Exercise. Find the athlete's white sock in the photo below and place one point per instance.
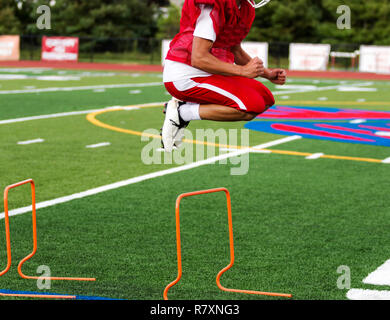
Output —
(189, 111)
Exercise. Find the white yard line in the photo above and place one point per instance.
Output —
(252, 150)
(276, 142)
(387, 160)
(73, 113)
(260, 148)
(80, 88)
(47, 116)
(30, 141)
(314, 156)
(357, 121)
(145, 177)
(261, 151)
(383, 133)
(98, 145)
(303, 90)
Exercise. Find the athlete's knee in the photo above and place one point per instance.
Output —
(250, 116)
(269, 99)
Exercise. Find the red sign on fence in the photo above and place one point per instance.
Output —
(60, 49)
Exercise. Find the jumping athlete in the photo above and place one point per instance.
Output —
(208, 74)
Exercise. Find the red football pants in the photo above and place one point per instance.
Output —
(242, 93)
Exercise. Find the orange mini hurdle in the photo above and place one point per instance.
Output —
(35, 245)
(231, 243)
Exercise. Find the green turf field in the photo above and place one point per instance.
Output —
(296, 221)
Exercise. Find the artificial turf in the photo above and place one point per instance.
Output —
(295, 221)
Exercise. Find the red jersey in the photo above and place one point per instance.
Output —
(231, 25)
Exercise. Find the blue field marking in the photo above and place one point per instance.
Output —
(321, 113)
(333, 124)
(52, 293)
(371, 133)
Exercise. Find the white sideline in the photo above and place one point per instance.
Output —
(381, 276)
(31, 141)
(98, 145)
(314, 156)
(148, 176)
(367, 294)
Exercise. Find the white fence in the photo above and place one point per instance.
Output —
(374, 59)
(306, 56)
(316, 57)
(254, 49)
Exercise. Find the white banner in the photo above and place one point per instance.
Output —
(9, 48)
(254, 49)
(164, 50)
(311, 57)
(257, 49)
(374, 59)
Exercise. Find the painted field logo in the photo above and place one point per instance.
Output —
(318, 113)
(359, 126)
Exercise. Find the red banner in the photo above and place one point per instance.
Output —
(60, 49)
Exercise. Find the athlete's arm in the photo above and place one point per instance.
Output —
(241, 57)
(277, 76)
(202, 58)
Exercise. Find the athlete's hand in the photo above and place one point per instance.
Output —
(253, 68)
(278, 76)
